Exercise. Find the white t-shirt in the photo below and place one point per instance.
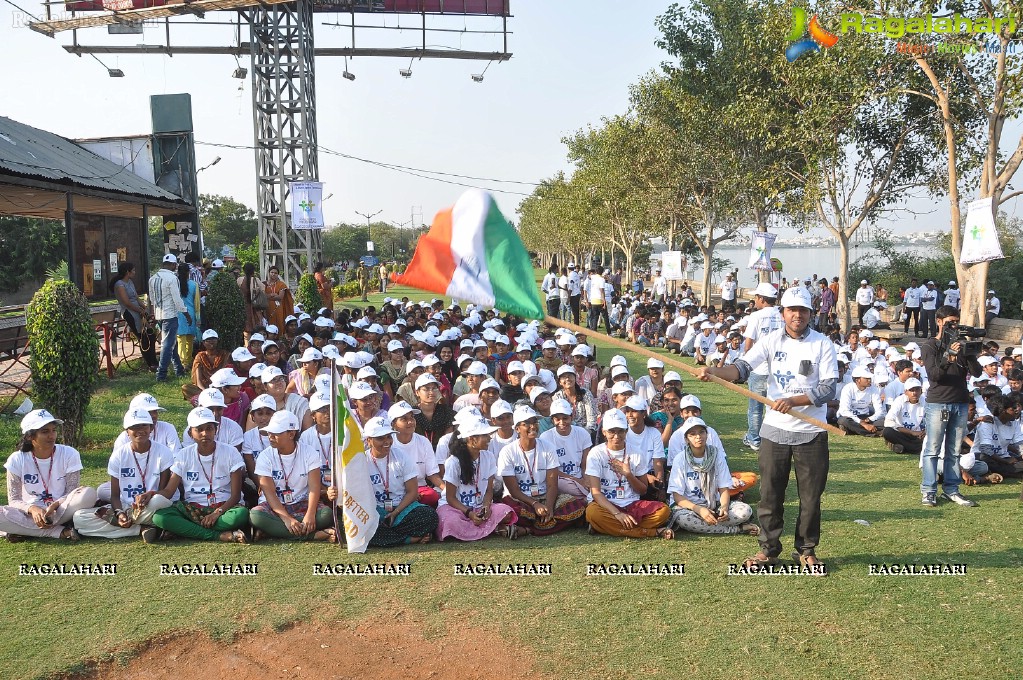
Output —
(648, 442)
(785, 357)
(497, 442)
(645, 388)
(864, 295)
(253, 443)
(569, 449)
(419, 450)
(200, 474)
(50, 475)
(912, 297)
(229, 433)
(563, 288)
(854, 402)
(728, 290)
(288, 472)
(996, 305)
(136, 474)
(660, 285)
(573, 283)
(443, 446)
(598, 465)
(527, 467)
(952, 297)
(595, 291)
(320, 443)
(684, 480)
(762, 322)
(164, 433)
(677, 440)
(928, 298)
(388, 476)
(550, 285)
(705, 343)
(998, 435)
(470, 495)
(904, 414)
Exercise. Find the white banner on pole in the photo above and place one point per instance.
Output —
(760, 251)
(980, 238)
(306, 208)
(673, 265)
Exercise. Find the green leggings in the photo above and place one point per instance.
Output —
(272, 525)
(177, 520)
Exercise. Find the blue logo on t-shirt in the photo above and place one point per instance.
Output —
(31, 479)
(191, 476)
(127, 472)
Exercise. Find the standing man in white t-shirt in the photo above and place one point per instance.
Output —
(802, 371)
(574, 291)
(864, 299)
(596, 302)
(952, 294)
(764, 320)
(563, 287)
(660, 286)
(928, 308)
(550, 288)
(911, 308)
(728, 288)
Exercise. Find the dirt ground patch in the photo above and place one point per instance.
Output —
(370, 650)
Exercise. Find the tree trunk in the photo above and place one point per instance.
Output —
(844, 309)
(708, 256)
(760, 215)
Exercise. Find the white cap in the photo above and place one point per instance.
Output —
(654, 363)
(986, 360)
(136, 416)
(210, 333)
(395, 346)
(265, 401)
(331, 352)
(516, 366)
(537, 392)
(256, 337)
(412, 365)
(562, 370)
(766, 290)
(618, 360)
(797, 297)
(561, 407)
(272, 329)
(377, 427)
(226, 377)
(318, 400)
(523, 413)
(690, 423)
(475, 427)
(718, 339)
(311, 354)
(636, 403)
(168, 258)
(862, 372)
(1017, 351)
(614, 419)
(426, 379)
(619, 370)
(952, 283)
(399, 409)
(366, 372)
(476, 368)
(431, 360)
(672, 376)
(581, 351)
(271, 373)
(863, 281)
(706, 325)
(874, 344)
(866, 333)
(241, 354)
(200, 416)
(282, 421)
(622, 388)
(690, 401)
(256, 370)
(490, 384)
(212, 397)
(549, 344)
(500, 408)
(361, 390)
(502, 339)
(523, 347)
(217, 263)
(911, 383)
(146, 402)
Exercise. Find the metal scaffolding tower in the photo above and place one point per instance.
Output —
(284, 125)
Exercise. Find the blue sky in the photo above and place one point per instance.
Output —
(573, 62)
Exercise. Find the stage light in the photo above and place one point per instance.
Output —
(348, 75)
(240, 73)
(115, 73)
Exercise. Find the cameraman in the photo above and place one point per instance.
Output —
(947, 404)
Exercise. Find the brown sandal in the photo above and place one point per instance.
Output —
(750, 529)
(759, 561)
(809, 561)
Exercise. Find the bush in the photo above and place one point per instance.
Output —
(64, 357)
(225, 311)
(351, 288)
(308, 295)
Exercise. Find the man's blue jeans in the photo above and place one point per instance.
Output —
(168, 349)
(947, 434)
(755, 414)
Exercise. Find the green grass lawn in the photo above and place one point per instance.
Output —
(705, 622)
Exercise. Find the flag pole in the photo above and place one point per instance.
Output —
(334, 469)
(668, 359)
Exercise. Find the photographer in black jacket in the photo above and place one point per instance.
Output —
(948, 397)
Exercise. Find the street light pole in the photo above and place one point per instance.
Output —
(401, 231)
(369, 227)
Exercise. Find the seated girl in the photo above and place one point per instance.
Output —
(467, 510)
(571, 443)
(319, 438)
(417, 447)
(43, 490)
(700, 488)
(616, 479)
(289, 487)
(211, 474)
(138, 470)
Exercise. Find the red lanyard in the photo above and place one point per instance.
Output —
(213, 459)
(287, 475)
(536, 454)
(144, 471)
(323, 452)
(611, 457)
(49, 472)
(384, 474)
(476, 474)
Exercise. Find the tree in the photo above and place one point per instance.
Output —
(344, 243)
(226, 222)
(225, 310)
(28, 248)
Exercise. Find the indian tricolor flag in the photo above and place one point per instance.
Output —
(355, 497)
(472, 253)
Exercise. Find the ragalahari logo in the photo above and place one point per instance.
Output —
(801, 44)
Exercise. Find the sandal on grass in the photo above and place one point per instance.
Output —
(809, 561)
(750, 529)
(665, 533)
(993, 478)
(257, 536)
(70, 534)
(759, 560)
(237, 536)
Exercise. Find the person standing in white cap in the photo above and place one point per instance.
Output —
(928, 307)
(952, 295)
(802, 371)
(660, 286)
(43, 483)
(165, 298)
(728, 289)
(574, 291)
(864, 299)
(992, 308)
(911, 306)
(766, 319)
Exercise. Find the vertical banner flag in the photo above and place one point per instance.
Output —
(472, 253)
(672, 265)
(760, 251)
(355, 497)
(306, 208)
(980, 238)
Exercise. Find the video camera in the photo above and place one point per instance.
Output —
(954, 332)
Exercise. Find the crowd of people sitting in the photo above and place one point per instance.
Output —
(474, 424)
